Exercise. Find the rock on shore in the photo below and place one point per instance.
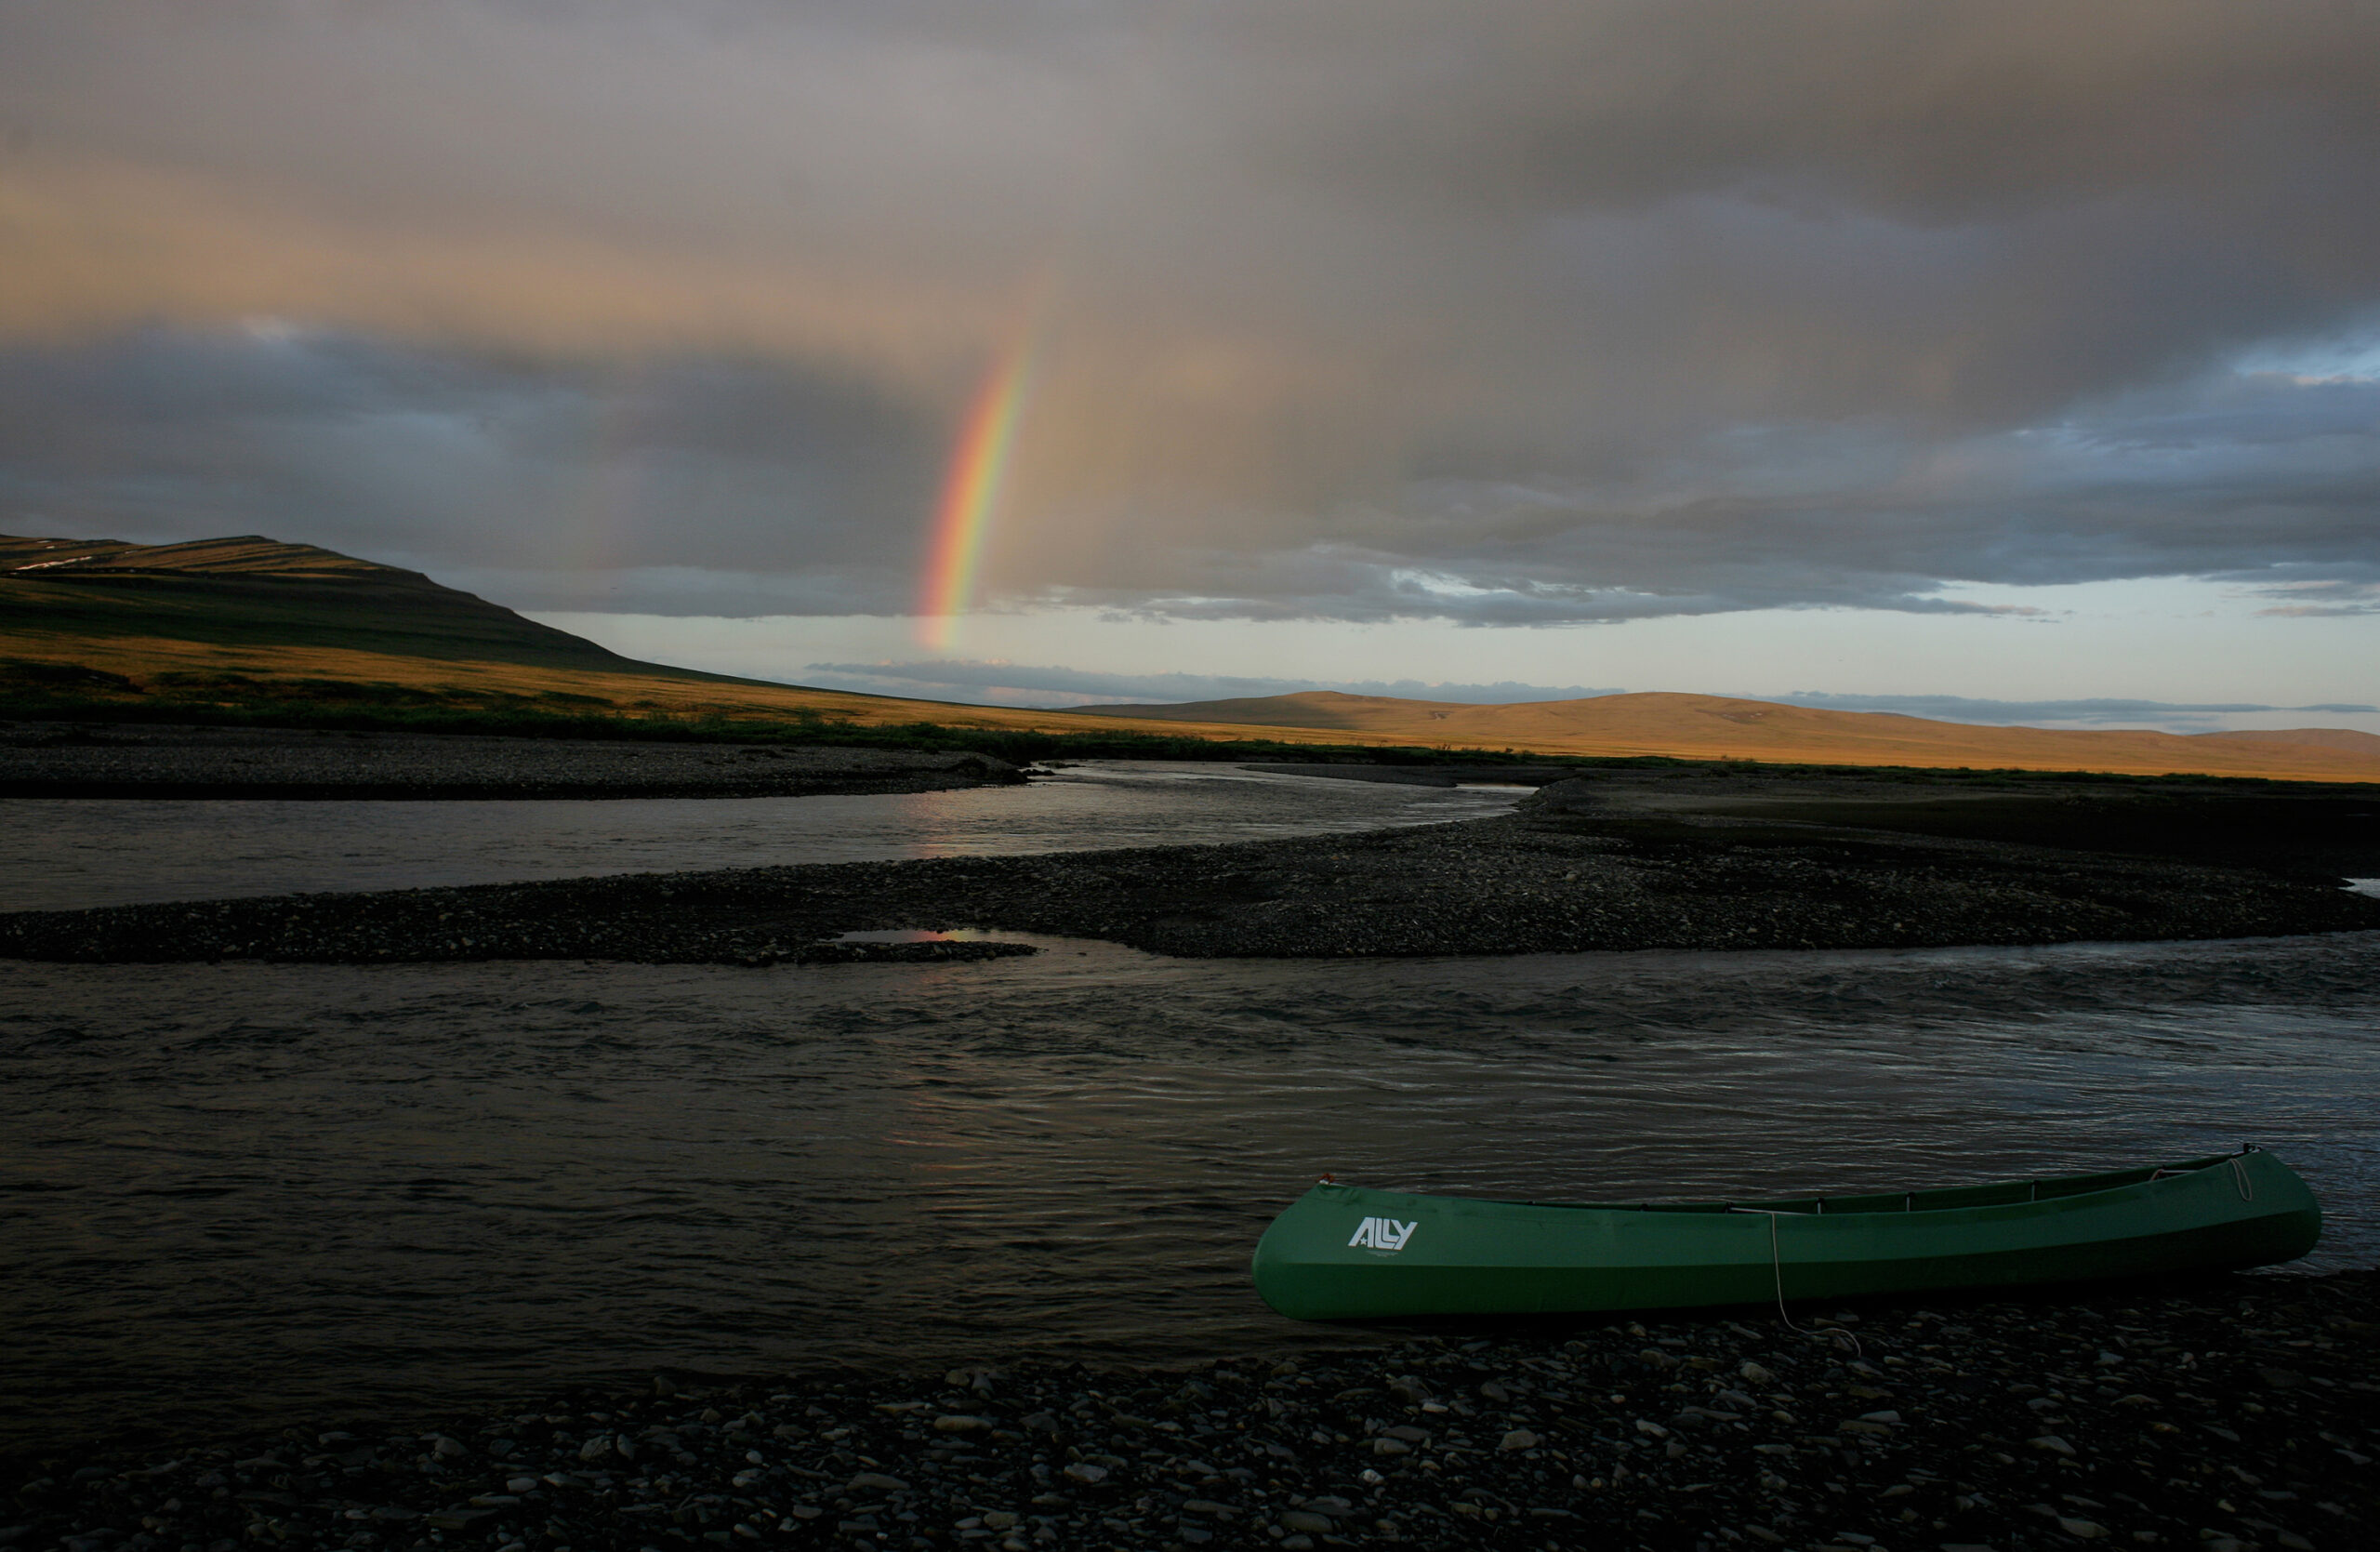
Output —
(1520, 884)
(2233, 1414)
(64, 760)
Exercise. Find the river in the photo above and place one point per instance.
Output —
(240, 1194)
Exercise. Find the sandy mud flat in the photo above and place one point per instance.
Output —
(1541, 881)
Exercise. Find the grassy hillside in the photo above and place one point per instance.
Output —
(249, 629)
(254, 592)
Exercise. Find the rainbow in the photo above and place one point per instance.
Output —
(971, 497)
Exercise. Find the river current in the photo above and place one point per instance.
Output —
(64, 856)
(242, 1194)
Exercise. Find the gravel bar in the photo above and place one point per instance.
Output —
(1529, 883)
(2231, 1414)
(67, 760)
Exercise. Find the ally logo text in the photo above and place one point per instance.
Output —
(1382, 1234)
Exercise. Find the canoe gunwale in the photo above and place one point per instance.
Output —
(2064, 1189)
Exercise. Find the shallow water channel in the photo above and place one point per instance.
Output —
(64, 854)
(244, 1194)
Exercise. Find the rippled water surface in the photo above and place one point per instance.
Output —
(63, 855)
(242, 1193)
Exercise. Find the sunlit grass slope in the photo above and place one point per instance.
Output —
(1718, 727)
(250, 628)
(239, 624)
(253, 592)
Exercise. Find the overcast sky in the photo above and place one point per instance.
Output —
(2003, 350)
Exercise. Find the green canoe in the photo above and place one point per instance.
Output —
(1342, 1253)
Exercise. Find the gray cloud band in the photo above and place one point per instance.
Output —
(1512, 313)
(694, 486)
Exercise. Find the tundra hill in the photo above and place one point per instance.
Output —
(250, 592)
(230, 624)
(227, 626)
(1718, 727)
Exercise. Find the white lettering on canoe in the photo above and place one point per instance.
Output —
(1382, 1234)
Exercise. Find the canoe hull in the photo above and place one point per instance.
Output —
(1342, 1253)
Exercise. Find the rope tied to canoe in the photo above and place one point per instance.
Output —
(1777, 1272)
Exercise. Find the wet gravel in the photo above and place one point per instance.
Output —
(65, 760)
(1534, 881)
(2231, 1414)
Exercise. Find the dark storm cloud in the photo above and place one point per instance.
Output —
(1514, 312)
(2256, 480)
(560, 477)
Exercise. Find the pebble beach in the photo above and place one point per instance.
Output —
(2232, 1414)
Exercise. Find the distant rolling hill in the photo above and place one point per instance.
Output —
(1719, 727)
(233, 623)
(252, 591)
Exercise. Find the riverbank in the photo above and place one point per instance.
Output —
(1538, 882)
(2232, 1413)
(126, 760)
